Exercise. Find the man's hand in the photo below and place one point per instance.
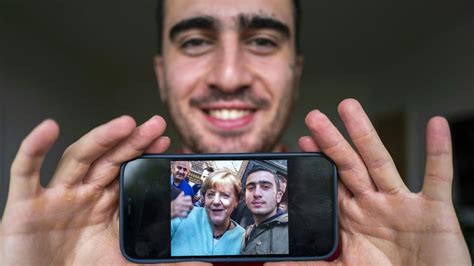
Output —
(181, 206)
(381, 221)
(75, 219)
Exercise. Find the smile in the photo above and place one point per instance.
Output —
(230, 117)
(229, 114)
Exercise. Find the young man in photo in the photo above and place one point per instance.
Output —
(269, 233)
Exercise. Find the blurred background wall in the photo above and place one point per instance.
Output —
(86, 62)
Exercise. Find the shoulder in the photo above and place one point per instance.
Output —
(283, 218)
(238, 227)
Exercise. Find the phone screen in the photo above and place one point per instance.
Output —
(228, 207)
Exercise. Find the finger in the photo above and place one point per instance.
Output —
(25, 169)
(186, 202)
(79, 156)
(106, 168)
(342, 191)
(185, 207)
(159, 146)
(351, 169)
(114, 187)
(307, 144)
(439, 162)
(376, 157)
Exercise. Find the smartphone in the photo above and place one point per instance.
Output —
(228, 207)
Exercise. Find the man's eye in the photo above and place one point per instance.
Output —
(193, 43)
(262, 45)
(263, 42)
(196, 46)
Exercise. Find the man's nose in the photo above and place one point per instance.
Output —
(257, 193)
(230, 71)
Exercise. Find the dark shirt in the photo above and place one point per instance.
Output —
(278, 213)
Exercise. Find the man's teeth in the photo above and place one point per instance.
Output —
(228, 114)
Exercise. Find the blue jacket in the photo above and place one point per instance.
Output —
(192, 236)
(184, 186)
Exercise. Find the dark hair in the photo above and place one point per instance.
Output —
(259, 168)
(159, 16)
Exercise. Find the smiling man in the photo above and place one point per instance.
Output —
(269, 233)
(179, 172)
(229, 72)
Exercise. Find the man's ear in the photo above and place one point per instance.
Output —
(160, 77)
(279, 196)
(299, 64)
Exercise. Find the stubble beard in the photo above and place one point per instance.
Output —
(261, 216)
(230, 142)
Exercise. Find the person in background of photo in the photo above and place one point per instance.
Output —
(210, 230)
(283, 205)
(179, 172)
(181, 191)
(269, 233)
(198, 199)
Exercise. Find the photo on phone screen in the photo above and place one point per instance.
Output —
(238, 207)
(252, 207)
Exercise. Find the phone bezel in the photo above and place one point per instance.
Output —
(228, 156)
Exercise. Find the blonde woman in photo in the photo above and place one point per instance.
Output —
(209, 230)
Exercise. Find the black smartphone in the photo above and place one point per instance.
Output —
(228, 207)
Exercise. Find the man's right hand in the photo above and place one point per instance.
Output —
(181, 206)
(74, 220)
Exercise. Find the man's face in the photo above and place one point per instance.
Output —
(180, 170)
(261, 194)
(229, 72)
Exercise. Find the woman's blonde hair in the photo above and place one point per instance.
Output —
(222, 177)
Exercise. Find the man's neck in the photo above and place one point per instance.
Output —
(259, 219)
(177, 183)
